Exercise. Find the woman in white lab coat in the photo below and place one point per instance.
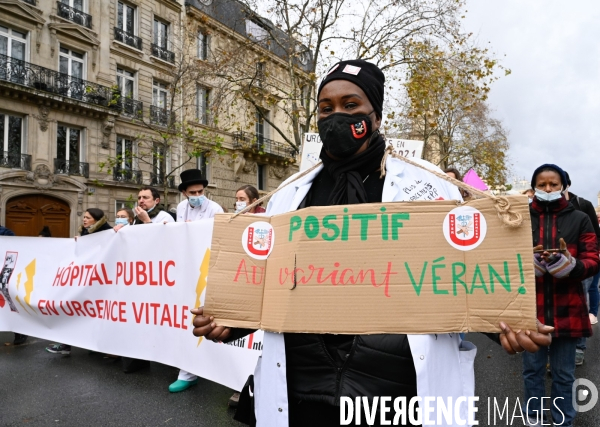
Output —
(301, 377)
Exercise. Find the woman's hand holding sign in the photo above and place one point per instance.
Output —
(204, 326)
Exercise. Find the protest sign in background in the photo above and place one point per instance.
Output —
(417, 267)
(311, 148)
(127, 293)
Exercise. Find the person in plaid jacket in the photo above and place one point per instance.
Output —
(565, 253)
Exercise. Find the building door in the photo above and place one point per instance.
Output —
(27, 215)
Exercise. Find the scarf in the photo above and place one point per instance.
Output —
(155, 211)
(350, 173)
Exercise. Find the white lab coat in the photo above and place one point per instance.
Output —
(443, 362)
(209, 209)
(162, 216)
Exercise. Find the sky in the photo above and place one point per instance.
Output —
(550, 104)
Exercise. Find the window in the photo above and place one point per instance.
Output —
(159, 162)
(126, 29)
(159, 94)
(12, 43)
(158, 109)
(261, 128)
(11, 140)
(161, 34)
(75, 4)
(204, 166)
(126, 18)
(255, 31)
(74, 10)
(120, 204)
(261, 179)
(202, 46)
(71, 66)
(260, 73)
(124, 153)
(68, 144)
(303, 96)
(125, 82)
(202, 105)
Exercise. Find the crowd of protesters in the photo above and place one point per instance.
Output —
(301, 377)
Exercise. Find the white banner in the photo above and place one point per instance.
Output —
(127, 293)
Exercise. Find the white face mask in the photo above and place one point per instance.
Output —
(542, 196)
(239, 206)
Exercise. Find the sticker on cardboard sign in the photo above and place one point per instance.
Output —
(351, 69)
(464, 228)
(258, 239)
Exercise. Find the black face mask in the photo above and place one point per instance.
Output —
(343, 134)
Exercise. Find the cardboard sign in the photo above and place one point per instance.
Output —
(311, 149)
(407, 147)
(417, 267)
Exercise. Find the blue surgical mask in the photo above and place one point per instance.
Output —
(239, 206)
(542, 196)
(121, 221)
(196, 201)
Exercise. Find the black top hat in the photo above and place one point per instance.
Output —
(191, 176)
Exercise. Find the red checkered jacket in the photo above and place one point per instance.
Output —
(561, 302)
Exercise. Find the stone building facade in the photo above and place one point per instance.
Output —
(76, 76)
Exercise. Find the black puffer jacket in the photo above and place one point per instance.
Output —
(376, 365)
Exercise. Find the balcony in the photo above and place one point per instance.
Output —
(46, 80)
(159, 116)
(71, 167)
(127, 176)
(158, 180)
(128, 39)
(163, 53)
(131, 108)
(74, 15)
(258, 144)
(15, 161)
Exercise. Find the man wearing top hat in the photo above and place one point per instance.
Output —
(196, 206)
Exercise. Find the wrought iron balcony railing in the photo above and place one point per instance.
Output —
(128, 39)
(15, 161)
(160, 116)
(127, 175)
(261, 145)
(162, 53)
(159, 180)
(31, 2)
(44, 79)
(74, 15)
(131, 107)
(71, 167)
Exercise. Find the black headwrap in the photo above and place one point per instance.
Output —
(349, 174)
(365, 75)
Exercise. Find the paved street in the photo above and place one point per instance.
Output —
(41, 389)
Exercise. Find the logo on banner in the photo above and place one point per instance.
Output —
(258, 239)
(464, 228)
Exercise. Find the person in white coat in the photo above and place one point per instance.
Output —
(300, 378)
(149, 210)
(195, 207)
